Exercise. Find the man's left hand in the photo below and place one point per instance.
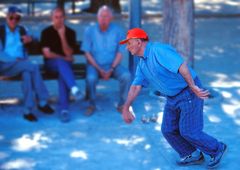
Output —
(108, 74)
(26, 39)
(201, 93)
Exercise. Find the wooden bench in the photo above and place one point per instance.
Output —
(79, 69)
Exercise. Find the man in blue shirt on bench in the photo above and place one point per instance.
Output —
(14, 61)
(104, 56)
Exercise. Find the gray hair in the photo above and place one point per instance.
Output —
(105, 8)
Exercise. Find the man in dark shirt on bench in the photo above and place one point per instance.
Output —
(58, 42)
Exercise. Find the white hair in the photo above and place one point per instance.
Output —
(105, 8)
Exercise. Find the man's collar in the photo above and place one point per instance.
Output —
(147, 50)
(8, 29)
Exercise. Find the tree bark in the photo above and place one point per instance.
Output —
(60, 3)
(178, 27)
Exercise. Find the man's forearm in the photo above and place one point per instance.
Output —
(68, 51)
(132, 94)
(184, 71)
(91, 60)
(117, 60)
(50, 55)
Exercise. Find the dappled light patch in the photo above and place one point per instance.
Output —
(237, 121)
(9, 101)
(226, 94)
(218, 49)
(238, 91)
(3, 155)
(230, 109)
(209, 7)
(79, 154)
(1, 137)
(147, 106)
(232, 3)
(102, 87)
(106, 140)
(79, 134)
(146, 161)
(134, 140)
(160, 117)
(214, 119)
(36, 141)
(157, 128)
(215, 5)
(74, 21)
(222, 82)
(147, 147)
(19, 164)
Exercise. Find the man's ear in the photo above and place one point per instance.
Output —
(139, 41)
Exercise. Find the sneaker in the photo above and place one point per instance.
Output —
(78, 96)
(215, 161)
(30, 117)
(46, 109)
(64, 116)
(90, 110)
(192, 159)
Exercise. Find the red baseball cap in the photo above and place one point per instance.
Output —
(135, 33)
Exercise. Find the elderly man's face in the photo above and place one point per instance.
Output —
(104, 19)
(13, 20)
(134, 46)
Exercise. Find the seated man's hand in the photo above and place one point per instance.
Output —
(26, 39)
(69, 58)
(108, 74)
(21, 59)
(102, 73)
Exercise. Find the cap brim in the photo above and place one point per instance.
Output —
(17, 13)
(123, 41)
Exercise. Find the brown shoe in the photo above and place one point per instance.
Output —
(90, 110)
(30, 117)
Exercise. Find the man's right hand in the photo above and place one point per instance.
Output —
(128, 117)
(61, 30)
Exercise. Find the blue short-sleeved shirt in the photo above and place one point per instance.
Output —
(103, 46)
(159, 69)
(13, 46)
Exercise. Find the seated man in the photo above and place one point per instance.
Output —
(104, 55)
(14, 61)
(58, 42)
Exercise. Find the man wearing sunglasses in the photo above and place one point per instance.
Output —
(14, 61)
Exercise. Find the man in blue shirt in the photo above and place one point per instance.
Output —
(161, 67)
(104, 55)
(14, 61)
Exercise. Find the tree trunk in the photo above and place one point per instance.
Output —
(60, 3)
(178, 27)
